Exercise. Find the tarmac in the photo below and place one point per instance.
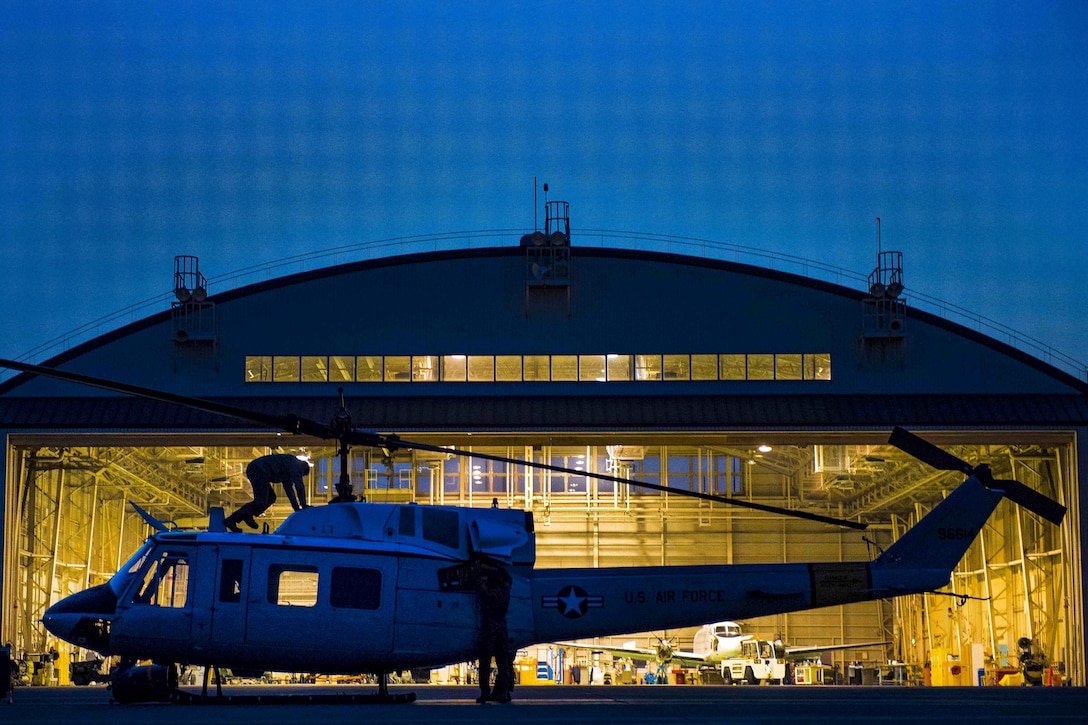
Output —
(572, 704)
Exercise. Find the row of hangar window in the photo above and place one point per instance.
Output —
(535, 368)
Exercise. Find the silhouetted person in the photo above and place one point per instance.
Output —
(262, 473)
(492, 583)
(7, 674)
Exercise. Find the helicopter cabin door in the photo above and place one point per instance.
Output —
(220, 614)
(298, 592)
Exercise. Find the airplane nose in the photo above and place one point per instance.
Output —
(83, 619)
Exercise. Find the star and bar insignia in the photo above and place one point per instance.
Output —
(572, 601)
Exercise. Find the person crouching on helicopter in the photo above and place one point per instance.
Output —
(492, 583)
(262, 473)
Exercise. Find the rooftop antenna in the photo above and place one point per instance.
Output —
(878, 238)
(535, 227)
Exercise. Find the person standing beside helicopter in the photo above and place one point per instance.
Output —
(7, 673)
(262, 473)
(492, 583)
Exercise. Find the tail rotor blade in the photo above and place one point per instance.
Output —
(926, 452)
(1032, 500)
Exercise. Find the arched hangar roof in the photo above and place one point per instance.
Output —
(487, 302)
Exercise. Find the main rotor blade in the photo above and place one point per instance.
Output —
(1031, 499)
(395, 442)
(926, 452)
(289, 423)
(294, 424)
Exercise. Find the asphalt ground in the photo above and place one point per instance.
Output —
(567, 704)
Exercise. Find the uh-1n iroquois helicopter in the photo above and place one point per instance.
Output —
(355, 587)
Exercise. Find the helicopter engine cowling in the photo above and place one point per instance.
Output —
(462, 533)
(499, 537)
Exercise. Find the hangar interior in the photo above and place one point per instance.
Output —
(70, 523)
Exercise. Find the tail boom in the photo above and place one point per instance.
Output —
(580, 603)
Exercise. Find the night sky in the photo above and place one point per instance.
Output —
(244, 133)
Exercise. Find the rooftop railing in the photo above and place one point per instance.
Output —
(602, 238)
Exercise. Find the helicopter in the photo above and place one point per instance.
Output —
(355, 586)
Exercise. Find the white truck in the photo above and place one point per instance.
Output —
(759, 661)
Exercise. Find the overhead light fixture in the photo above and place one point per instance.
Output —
(764, 448)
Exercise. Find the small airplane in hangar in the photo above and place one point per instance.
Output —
(355, 587)
(714, 643)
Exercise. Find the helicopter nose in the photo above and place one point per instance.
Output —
(83, 619)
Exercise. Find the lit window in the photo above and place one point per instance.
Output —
(292, 586)
(398, 368)
(787, 367)
(591, 368)
(454, 368)
(368, 368)
(508, 368)
(761, 367)
(564, 368)
(536, 367)
(259, 369)
(481, 368)
(704, 367)
(619, 367)
(285, 369)
(341, 368)
(165, 583)
(424, 368)
(731, 367)
(675, 367)
(818, 366)
(315, 369)
(647, 367)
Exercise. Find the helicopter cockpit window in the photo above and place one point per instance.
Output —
(356, 588)
(442, 527)
(292, 585)
(165, 583)
(119, 581)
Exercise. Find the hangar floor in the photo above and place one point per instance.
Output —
(574, 704)
(74, 527)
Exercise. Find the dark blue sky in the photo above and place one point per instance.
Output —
(131, 132)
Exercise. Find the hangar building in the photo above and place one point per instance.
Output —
(676, 369)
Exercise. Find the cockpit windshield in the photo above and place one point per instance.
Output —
(124, 575)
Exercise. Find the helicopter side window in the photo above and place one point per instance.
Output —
(442, 527)
(407, 521)
(165, 583)
(230, 581)
(356, 588)
(292, 585)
